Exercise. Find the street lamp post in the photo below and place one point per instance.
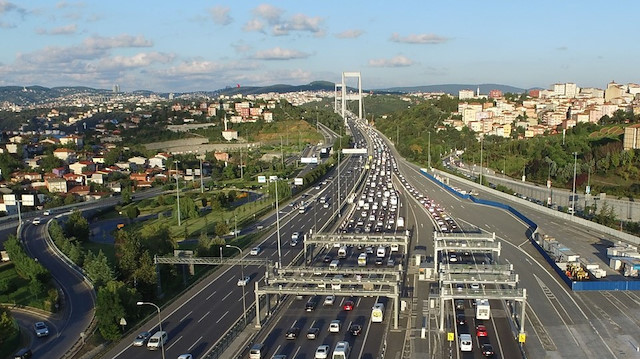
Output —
(429, 152)
(278, 227)
(481, 148)
(244, 304)
(159, 322)
(573, 193)
(178, 192)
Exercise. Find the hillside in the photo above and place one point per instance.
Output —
(454, 88)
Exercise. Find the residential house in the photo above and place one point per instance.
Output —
(76, 140)
(59, 172)
(82, 166)
(57, 185)
(138, 160)
(65, 154)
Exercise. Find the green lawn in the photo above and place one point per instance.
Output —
(21, 295)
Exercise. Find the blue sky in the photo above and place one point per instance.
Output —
(206, 45)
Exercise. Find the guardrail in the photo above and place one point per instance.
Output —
(531, 234)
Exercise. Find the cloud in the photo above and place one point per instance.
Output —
(124, 40)
(65, 4)
(273, 17)
(7, 25)
(241, 47)
(202, 67)
(220, 15)
(396, 61)
(6, 6)
(268, 12)
(142, 59)
(419, 39)
(254, 25)
(349, 34)
(278, 53)
(62, 30)
(562, 48)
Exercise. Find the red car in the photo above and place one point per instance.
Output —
(481, 331)
(348, 305)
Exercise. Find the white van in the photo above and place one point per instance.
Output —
(341, 351)
(377, 313)
(256, 351)
(334, 264)
(381, 252)
(157, 340)
(466, 345)
(342, 252)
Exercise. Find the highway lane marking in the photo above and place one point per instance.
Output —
(185, 317)
(230, 279)
(204, 316)
(174, 342)
(526, 241)
(194, 344)
(222, 316)
(211, 295)
(286, 253)
(366, 334)
(226, 296)
(296, 353)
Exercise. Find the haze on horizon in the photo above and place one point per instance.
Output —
(204, 45)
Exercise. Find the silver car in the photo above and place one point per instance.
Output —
(141, 339)
(41, 329)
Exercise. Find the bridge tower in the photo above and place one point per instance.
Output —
(346, 96)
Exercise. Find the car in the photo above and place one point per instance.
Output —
(325, 205)
(369, 250)
(141, 339)
(310, 306)
(41, 329)
(475, 286)
(185, 356)
(379, 260)
(329, 300)
(312, 333)
(487, 350)
(322, 352)
(46, 213)
(327, 259)
(460, 319)
(348, 305)
(334, 326)
(36, 221)
(255, 251)
(279, 356)
(391, 262)
(243, 281)
(459, 304)
(24, 353)
(355, 329)
(292, 333)
(481, 330)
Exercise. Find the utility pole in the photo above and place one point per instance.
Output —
(241, 169)
(178, 192)
(281, 152)
(278, 228)
(573, 197)
(429, 152)
(201, 180)
(481, 148)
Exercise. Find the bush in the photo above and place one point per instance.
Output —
(7, 285)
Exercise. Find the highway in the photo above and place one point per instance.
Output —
(197, 320)
(559, 322)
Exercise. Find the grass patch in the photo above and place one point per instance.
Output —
(13, 343)
(109, 250)
(20, 292)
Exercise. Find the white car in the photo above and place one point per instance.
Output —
(255, 251)
(334, 326)
(36, 221)
(329, 300)
(243, 281)
(322, 352)
(185, 356)
(46, 213)
(41, 329)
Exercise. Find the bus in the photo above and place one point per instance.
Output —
(483, 309)
(377, 313)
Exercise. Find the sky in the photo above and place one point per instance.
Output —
(181, 46)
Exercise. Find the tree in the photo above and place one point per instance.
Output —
(187, 208)
(221, 229)
(25, 266)
(109, 310)
(132, 212)
(7, 327)
(128, 248)
(126, 195)
(98, 268)
(77, 226)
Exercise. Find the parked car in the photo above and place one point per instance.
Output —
(41, 329)
(141, 339)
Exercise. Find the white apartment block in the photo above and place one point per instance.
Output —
(559, 89)
(465, 94)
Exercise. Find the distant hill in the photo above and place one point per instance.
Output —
(33, 95)
(279, 88)
(454, 88)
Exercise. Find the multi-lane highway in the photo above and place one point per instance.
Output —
(196, 321)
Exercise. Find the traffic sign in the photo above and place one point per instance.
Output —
(450, 336)
(522, 337)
